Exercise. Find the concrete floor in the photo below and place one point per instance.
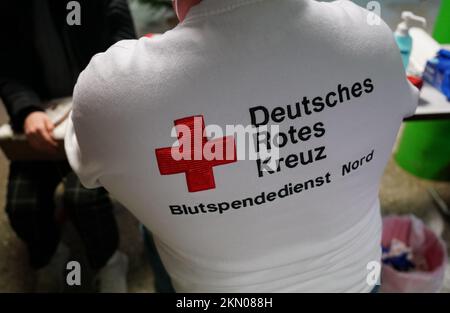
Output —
(400, 193)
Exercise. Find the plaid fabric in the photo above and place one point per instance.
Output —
(163, 283)
(31, 210)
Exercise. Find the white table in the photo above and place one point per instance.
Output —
(432, 105)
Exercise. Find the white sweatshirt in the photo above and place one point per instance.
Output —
(333, 82)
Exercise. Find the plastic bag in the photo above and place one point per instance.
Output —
(425, 244)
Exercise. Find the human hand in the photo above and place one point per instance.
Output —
(38, 128)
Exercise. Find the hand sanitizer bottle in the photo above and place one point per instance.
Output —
(404, 40)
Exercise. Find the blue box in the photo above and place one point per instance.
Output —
(437, 72)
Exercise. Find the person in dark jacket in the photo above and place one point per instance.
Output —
(41, 56)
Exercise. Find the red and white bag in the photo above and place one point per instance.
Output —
(425, 244)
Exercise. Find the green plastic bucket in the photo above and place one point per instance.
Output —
(442, 27)
(424, 148)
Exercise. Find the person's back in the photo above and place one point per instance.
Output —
(333, 84)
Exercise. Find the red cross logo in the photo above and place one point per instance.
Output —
(195, 163)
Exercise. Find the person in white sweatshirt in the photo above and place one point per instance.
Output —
(305, 220)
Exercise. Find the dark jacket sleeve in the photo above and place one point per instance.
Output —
(119, 21)
(16, 67)
(19, 99)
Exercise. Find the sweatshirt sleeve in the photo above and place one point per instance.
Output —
(80, 150)
(78, 161)
(16, 65)
(91, 143)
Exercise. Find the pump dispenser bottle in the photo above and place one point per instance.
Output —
(402, 36)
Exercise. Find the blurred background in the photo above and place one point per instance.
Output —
(401, 192)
